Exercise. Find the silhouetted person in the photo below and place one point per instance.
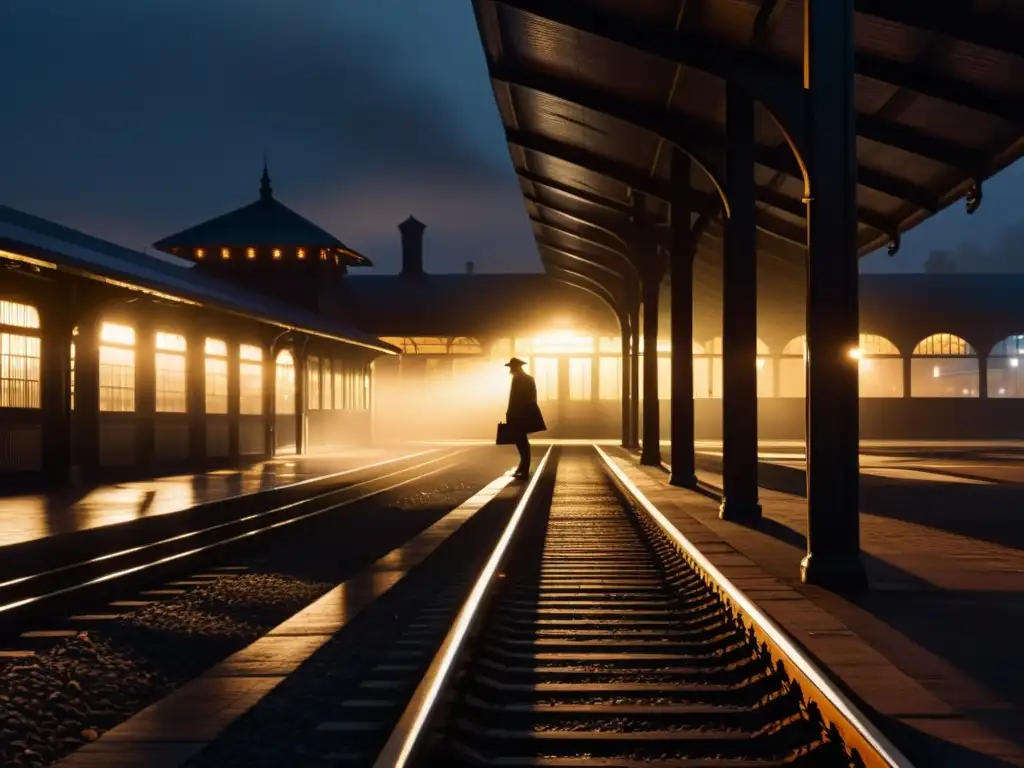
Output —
(523, 415)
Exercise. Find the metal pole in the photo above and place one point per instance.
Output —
(634, 376)
(684, 467)
(833, 525)
(624, 397)
(651, 446)
(739, 316)
(647, 260)
(55, 394)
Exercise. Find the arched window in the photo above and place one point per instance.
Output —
(1004, 368)
(284, 396)
(793, 368)
(765, 369)
(944, 365)
(19, 356)
(881, 367)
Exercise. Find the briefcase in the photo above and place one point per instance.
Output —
(505, 436)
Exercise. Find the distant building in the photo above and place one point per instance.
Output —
(934, 344)
(268, 247)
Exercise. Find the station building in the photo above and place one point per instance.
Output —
(115, 363)
(253, 340)
(939, 355)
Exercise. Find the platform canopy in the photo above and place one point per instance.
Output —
(593, 95)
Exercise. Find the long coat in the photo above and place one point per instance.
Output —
(523, 415)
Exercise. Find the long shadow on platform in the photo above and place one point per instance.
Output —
(976, 631)
(987, 512)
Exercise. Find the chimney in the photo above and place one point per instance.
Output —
(469, 267)
(412, 247)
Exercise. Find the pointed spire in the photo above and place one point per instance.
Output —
(266, 191)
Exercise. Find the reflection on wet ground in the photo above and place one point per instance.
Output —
(35, 516)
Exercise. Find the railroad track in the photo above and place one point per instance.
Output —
(97, 577)
(596, 636)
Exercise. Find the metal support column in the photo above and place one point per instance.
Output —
(833, 525)
(739, 316)
(86, 413)
(634, 376)
(301, 385)
(269, 401)
(234, 404)
(684, 468)
(55, 396)
(627, 428)
(650, 454)
(195, 394)
(145, 390)
(647, 258)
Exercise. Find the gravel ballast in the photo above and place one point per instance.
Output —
(75, 689)
(80, 687)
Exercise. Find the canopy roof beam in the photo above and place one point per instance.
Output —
(628, 277)
(702, 203)
(954, 20)
(724, 59)
(617, 303)
(573, 193)
(695, 136)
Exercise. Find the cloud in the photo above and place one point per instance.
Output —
(136, 119)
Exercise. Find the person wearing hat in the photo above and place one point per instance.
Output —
(523, 415)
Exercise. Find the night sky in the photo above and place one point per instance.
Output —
(133, 119)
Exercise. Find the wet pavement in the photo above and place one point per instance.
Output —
(35, 516)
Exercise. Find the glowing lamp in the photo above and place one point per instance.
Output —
(1014, 362)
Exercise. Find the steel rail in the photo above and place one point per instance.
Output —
(890, 756)
(234, 521)
(14, 605)
(407, 738)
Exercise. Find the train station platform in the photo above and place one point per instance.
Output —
(934, 644)
(32, 517)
